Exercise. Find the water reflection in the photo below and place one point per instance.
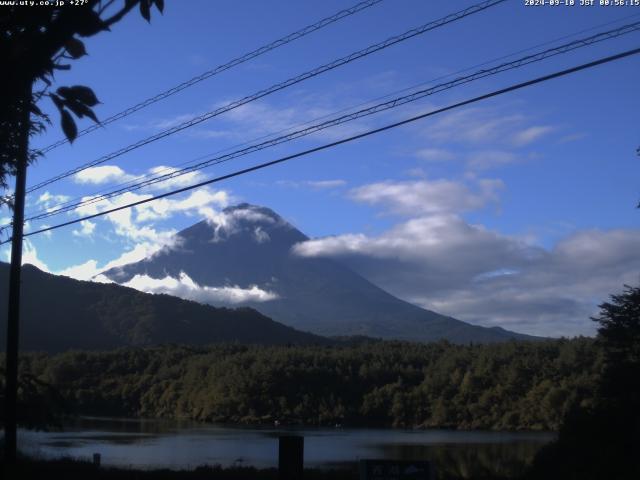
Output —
(178, 445)
(469, 460)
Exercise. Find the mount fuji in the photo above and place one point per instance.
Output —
(244, 258)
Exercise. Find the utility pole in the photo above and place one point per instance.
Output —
(13, 318)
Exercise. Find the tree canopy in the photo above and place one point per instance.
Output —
(35, 42)
(512, 385)
(601, 440)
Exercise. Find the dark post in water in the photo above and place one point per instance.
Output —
(290, 457)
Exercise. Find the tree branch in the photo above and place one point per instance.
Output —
(129, 5)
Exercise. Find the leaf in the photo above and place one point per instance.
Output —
(159, 5)
(61, 67)
(75, 48)
(81, 93)
(69, 126)
(145, 10)
(33, 108)
(81, 110)
(89, 23)
(59, 103)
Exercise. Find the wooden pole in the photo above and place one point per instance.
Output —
(13, 318)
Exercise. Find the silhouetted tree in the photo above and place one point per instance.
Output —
(35, 41)
(619, 335)
(602, 441)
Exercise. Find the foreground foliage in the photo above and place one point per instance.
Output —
(515, 385)
(70, 469)
(600, 440)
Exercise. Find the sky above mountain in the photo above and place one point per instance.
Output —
(516, 212)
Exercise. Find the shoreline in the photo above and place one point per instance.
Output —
(300, 425)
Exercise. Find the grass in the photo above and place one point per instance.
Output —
(72, 469)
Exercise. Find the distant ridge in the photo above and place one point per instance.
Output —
(59, 313)
(252, 246)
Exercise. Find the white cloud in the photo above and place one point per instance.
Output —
(112, 173)
(235, 220)
(195, 203)
(102, 174)
(163, 124)
(482, 137)
(139, 252)
(134, 227)
(313, 184)
(324, 184)
(50, 201)
(469, 272)
(130, 223)
(474, 126)
(123, 221)
(86, 229)
(531, 134)
(90, 270)
(84, 271)
(211, 133)
(437, 241)
(185, 287)
(257, 120)
(427, 196)
(484, 159)
(435, 155)
(260, 235)
(479, 127)
(263, 118)
(48, 233)
(439, 261)
(183, 180)
(574, 137)
(48, 197)
(416, 172)
(29, 255)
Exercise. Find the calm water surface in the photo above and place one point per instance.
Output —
(182, 445)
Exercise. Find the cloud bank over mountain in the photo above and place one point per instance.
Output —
(440, 261)
(185, 287)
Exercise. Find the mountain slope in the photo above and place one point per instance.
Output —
(59, 313)
(251, 246)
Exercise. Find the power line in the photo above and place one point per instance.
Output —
(394, 103)
(261, 166)
(132, 182)
(221, 68)
(280, 86)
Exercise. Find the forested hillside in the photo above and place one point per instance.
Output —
(60, 313)
(515, 385)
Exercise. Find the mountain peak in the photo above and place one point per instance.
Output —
(253, 214)
(249, 247)
(257, 209)
(244, 219)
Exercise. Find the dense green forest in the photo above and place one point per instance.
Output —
(514, 385)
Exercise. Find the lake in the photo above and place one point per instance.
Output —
(184, 445)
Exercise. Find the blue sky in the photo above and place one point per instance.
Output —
(518, 211)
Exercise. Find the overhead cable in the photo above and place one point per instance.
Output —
(261, 166)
